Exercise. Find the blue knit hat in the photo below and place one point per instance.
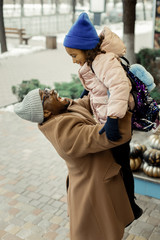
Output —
(82, 34)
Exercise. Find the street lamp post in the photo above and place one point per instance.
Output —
(74, 10)
(97, 7)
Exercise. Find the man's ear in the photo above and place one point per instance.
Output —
(47, 113)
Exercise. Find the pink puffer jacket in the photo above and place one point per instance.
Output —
(109, 88)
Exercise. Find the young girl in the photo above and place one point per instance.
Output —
(109, 88)
(101, 72)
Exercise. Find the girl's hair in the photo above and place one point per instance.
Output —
(92, 53)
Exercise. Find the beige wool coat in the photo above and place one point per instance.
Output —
(98, 205)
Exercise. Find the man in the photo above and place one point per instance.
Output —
(97, 200)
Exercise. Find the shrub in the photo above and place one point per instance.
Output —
(146, 56)
(150, 59)
(156, 94)
(71, 89)
(26, 86)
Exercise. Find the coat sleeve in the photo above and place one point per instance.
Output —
(85, 102)
(77, 138)
(109, 70)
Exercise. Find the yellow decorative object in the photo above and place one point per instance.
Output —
(155, 141)
(136, 152)
(135, 163)
(152, 157)
(151, 171)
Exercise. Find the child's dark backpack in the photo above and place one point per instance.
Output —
(146, 112)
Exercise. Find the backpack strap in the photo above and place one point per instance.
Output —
(130, 75)
(92, 69)
(125, 59)
(126, 66)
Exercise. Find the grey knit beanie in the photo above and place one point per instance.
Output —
(31, 108)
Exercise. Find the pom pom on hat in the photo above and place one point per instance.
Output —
(82, 34)
(31, 108)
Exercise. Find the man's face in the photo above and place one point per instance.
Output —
(52, 102)
(78, 56)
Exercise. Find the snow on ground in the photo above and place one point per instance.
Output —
(9, 108)
(21, 50)
(18, 50)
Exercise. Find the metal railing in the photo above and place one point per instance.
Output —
(37, 19)
(41, 25)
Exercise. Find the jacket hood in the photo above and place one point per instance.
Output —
(112, 43)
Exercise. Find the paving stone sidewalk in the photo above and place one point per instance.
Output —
(32, 184)
(32, 188)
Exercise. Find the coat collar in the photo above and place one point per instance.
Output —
(75, 109)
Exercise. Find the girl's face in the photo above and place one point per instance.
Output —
(78, 56)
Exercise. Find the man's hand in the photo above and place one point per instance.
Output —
(111, 129)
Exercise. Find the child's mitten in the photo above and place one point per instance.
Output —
(84, 93)
(111, 129)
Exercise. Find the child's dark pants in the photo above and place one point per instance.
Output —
(121, 155)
